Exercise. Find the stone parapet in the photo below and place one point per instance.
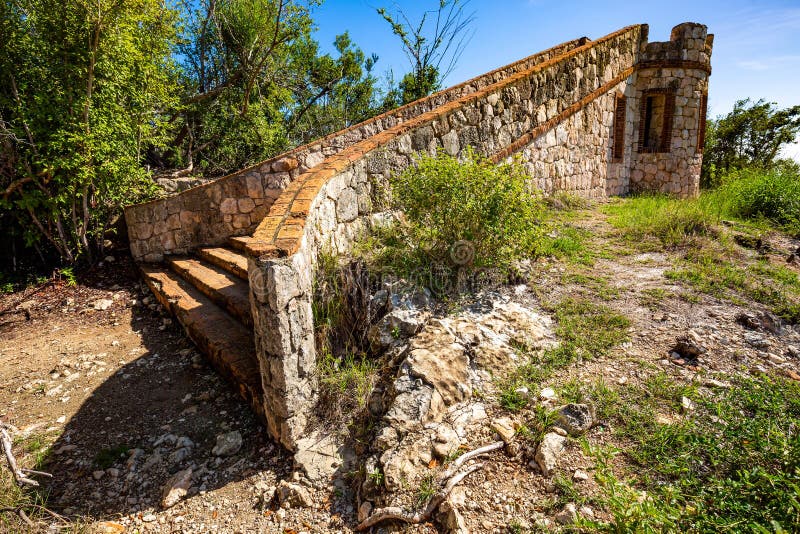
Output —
(235, 204)
(328, 207)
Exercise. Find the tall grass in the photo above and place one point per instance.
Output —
(757, 196)
(754, 194)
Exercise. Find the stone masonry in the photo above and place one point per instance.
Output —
(596, 118)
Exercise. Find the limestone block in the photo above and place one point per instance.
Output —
(312, 159)
(228, 206)
(347, 205)
(246, 205)
(254, 187)
(173, 221)
(450, 143)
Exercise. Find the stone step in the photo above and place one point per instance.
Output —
(224, 288)
(227, 344)
(225, 258)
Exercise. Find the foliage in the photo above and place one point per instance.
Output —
(731, 464)
(484, 211)
(83, 86)
(772, 194)
(751, 135)
(432, 55)
(256, 83)
(672, 221)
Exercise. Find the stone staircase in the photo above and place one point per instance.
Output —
(208, 294)
(572, 114)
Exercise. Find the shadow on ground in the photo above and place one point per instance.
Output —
(158, 414)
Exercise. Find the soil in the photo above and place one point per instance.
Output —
(113, 389)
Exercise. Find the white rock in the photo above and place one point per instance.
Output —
(102, 304)
(98, 474)
(549, 451)
(505, 427)
(290, 494)
(228, 444)
(580, 475)
(568, 515)
(547, 394)
(176, 488)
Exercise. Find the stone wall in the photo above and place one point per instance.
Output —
(327, 207)
(234, 205)
(575, 116)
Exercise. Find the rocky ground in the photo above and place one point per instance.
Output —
(106, 394)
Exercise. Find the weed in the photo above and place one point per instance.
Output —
(376, 477)
(729, 465)
(348, 380)
(652, 297)
(427, 489)
(105, 458)
(69, 275)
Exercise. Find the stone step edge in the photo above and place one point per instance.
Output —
(225, 258)
(231, 352)
(237, 304)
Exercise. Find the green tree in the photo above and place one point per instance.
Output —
(84, 86)
(432, 52)
(257, 83)
(330, 93)
(236, 58)
(751, 135)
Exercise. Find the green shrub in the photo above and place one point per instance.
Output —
(464, 214)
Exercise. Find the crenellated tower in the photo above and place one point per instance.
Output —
(666, 108)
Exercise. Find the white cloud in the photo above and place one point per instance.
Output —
(769, 62)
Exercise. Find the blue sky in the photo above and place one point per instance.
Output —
(756, 45)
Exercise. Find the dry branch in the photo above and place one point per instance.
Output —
(397, 514)
(19, 474)
(461, 460)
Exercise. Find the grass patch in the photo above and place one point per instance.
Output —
(762, 195)
(652, 297)
(774, 286)
(732, 464)
(596, 285)
(589, 327)
(652, 221)
(30, 452)
(349, 379)
(427, 489)
(586, 330)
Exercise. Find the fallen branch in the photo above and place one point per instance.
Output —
(467, 456)
(397, 514)
(19, 474)
(19, 512)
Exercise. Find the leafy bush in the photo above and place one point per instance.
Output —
(471, 214)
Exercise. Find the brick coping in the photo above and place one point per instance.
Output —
(280, 233)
